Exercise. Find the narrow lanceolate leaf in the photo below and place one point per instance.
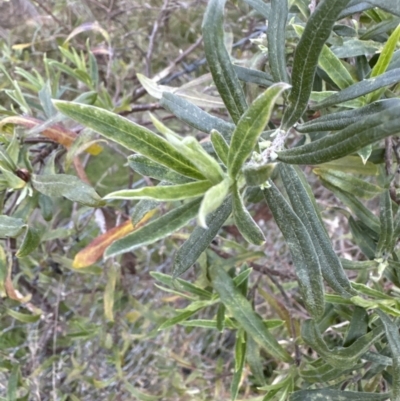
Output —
(358, 208)
(367, 131)
(144, 166)
(349, 183)
(391, 6)
(342, 119)
(242, 311)
(360, 89)
(304, 205)
(213, 198)
(130, 135)
(244, 222)
(384, 60)
(340, 356)
(69, 186)
(200, 238)
(250, 75)
(30, 242)
(276, 35)
(331, 64)
(336, 395)
(10, 226)
(308, 50)
(206, 164)
(386, 238)
(305, 258)
(157, 229)
(262, 8)
(240, 354)
(387, 53)
(393, 337)
(195, 116)
(220, 146)
(250, 127)
(218, 59)
(352, 164)
(163, 193)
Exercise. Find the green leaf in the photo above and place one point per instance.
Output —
(253, 358)
(351, 164)
(324, 373)
(349, 183)
(250, 126)
(331, 64)
(340, 356)
(384, 60)
(276, 35)
(367, 131)
(305, 207)
(240, 353)
(213, 198)
(219, 62)
(242, 311)
(141, 208)
(357, 265)
(144, 166)
(308, 50)
(12, 385)
(392, 335)
(206, 164)
(181, 285)
(163, 193)
(362, 239)
(387, 53)
(23, 317)
(244, 222)
(140, 395)
(155, 230)
(336, 395)
(194, 116)
(200, 238)
(180, 317)
(10, 226)
(386, 239)
(30, 242)
(250, 75)
(391, 6)
(342, 119)
(46, 207)
(360, 89)
(130, 135)
(354, 7)
(354, 47)
(258, 5)
(220, 146)
(305, 259)
(358, 326)
(360, 211)
(256, 175)
(69, 186)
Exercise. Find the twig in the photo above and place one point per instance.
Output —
(141, 107)
(163, 74)
(80, 170)
(47, 11)
(153, 34)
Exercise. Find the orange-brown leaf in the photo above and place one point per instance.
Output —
(56, 132)
(94, 251)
